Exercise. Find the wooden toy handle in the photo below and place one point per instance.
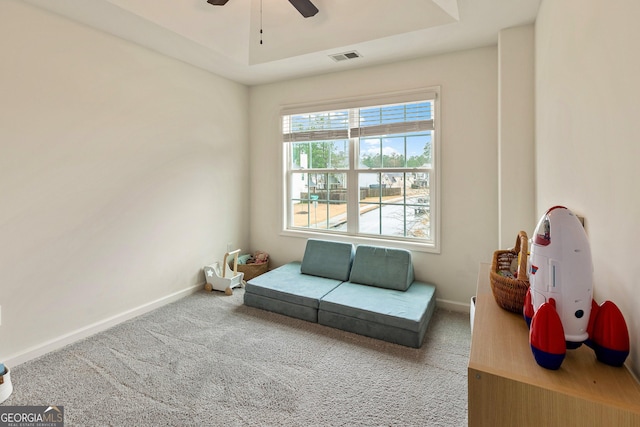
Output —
(235, 262)
(522, 248)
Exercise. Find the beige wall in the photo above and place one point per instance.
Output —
(469, 185)
(516, 133)
(587, 130)
(122, 173)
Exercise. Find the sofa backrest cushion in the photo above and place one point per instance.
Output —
(328, 259)
(382, 267)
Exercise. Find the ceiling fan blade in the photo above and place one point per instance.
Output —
(305, 7)
(217, 2)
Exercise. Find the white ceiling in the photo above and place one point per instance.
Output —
(226, 39)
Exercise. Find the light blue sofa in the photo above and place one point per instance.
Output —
(370, 291)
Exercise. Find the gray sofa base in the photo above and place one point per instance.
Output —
(372, 330)
(298, 311)
(383, 331)
(403, 323)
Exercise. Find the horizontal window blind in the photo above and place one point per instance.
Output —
(362, 102)
(369, 121)
(322, 126)
(394, 119)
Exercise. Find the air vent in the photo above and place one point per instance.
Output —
(339, 57)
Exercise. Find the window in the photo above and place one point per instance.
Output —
(367, 170)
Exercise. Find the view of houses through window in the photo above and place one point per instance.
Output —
(364, 171)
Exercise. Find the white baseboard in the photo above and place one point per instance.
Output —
(56, 343)
(453, 305)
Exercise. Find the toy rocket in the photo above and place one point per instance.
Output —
(559, 306)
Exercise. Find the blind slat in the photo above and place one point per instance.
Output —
(392, 128)
(316, 135)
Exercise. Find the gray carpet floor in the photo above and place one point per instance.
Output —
(208, 360)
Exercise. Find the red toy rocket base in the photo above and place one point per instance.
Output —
(559, 308)
(609, 336)
(546, 336)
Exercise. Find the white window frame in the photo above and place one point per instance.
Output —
(433, 246)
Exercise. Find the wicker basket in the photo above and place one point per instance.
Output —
(252, 270)
(510, 292)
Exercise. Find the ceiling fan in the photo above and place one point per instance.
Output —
(305, 7)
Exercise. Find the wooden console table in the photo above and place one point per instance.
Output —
(508, 388)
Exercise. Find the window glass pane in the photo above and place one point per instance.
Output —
(299, 200)
(319, 200)
(300, 155)
(320, 155)
(370, 152)
(339, 154)
(371, 194)
(393, 187)
(393, 152)
(419, 150)
(394, 204)
(418, 205)
(329, 154)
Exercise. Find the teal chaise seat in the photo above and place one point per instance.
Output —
(295, 289)
(381, 299)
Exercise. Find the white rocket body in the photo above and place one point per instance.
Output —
(560, 267)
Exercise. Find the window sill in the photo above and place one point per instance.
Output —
(363, 240)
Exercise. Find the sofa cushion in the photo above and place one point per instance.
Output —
(285, 283)
(408, 310)
(382, 267)
(328, 259)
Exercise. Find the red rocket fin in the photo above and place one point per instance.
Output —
(546, 336)
(527, 309)
(610, 335)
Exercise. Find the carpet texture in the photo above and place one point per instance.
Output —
(208, 360)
